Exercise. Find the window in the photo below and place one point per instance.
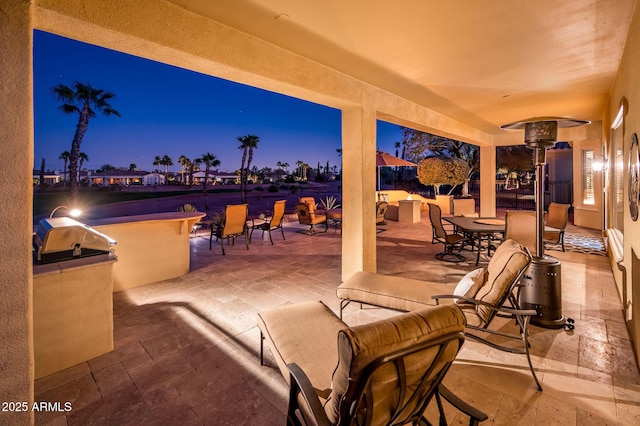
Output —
(588, 195)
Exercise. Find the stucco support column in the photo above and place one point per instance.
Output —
(487, 181)
(358, 190)
(16, 192)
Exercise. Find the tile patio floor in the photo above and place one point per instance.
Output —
(186, 349)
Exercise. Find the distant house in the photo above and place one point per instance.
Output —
(50, 177)
(82, 176)
(217, 177)
(126, 178)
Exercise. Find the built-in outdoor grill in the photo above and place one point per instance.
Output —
(62, 238)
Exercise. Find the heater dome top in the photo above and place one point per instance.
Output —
(561, 122)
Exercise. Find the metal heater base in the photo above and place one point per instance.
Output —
(542, 291)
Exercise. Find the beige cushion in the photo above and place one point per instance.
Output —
(304, 333)
(399, 293)
(469, 285)
(359, 346)
(506, 263)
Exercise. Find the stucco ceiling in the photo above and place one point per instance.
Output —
(484, 63)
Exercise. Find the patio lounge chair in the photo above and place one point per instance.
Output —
(482, 295)
(381, 211)
(307, 217)
(234, 224)
(385, 372)
(311, 201)
(557, 218)
(274, 222)
(451, 241)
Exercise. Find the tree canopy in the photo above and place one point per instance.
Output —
(441, 170)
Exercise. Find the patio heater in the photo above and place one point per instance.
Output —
(542, 283)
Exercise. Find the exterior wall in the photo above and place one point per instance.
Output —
(16, 130)
(626, 90)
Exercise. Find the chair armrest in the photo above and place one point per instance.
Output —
(300, 383)
(525, 312)
(474, 413)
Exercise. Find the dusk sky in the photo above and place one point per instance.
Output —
(171, 111)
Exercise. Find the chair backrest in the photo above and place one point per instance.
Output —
(520, 225)
(381, 210)
(464, 207)
(558, 215)
(505, 268)
(435, 216)
(235, 219)
(303, 210)
(278, 213)
(310, 201)
(389, 370)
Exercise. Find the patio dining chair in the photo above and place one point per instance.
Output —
(464, 207)
(557, 218)
(451, 240)
(274, 221)
(520, 225)
(234, 224)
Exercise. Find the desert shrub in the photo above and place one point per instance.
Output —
(187, 208)
(258, 188)
(273, 188)
(329, 202)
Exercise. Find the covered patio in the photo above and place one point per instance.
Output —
(471, 69)
(187, 349)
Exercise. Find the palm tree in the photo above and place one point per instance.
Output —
(65, 157)
(209, 161)
(82, 157)
(166, 162)
(132, 167)
(183, 161)
(247, 144)
(195, 167)
(157, 161)
(85, 101)
(299, 169)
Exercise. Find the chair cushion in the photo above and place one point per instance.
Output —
(509, 259)
(399, 293)
(359, 346)
(304, 333)
(469, 285)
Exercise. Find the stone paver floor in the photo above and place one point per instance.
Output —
(186, 349)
